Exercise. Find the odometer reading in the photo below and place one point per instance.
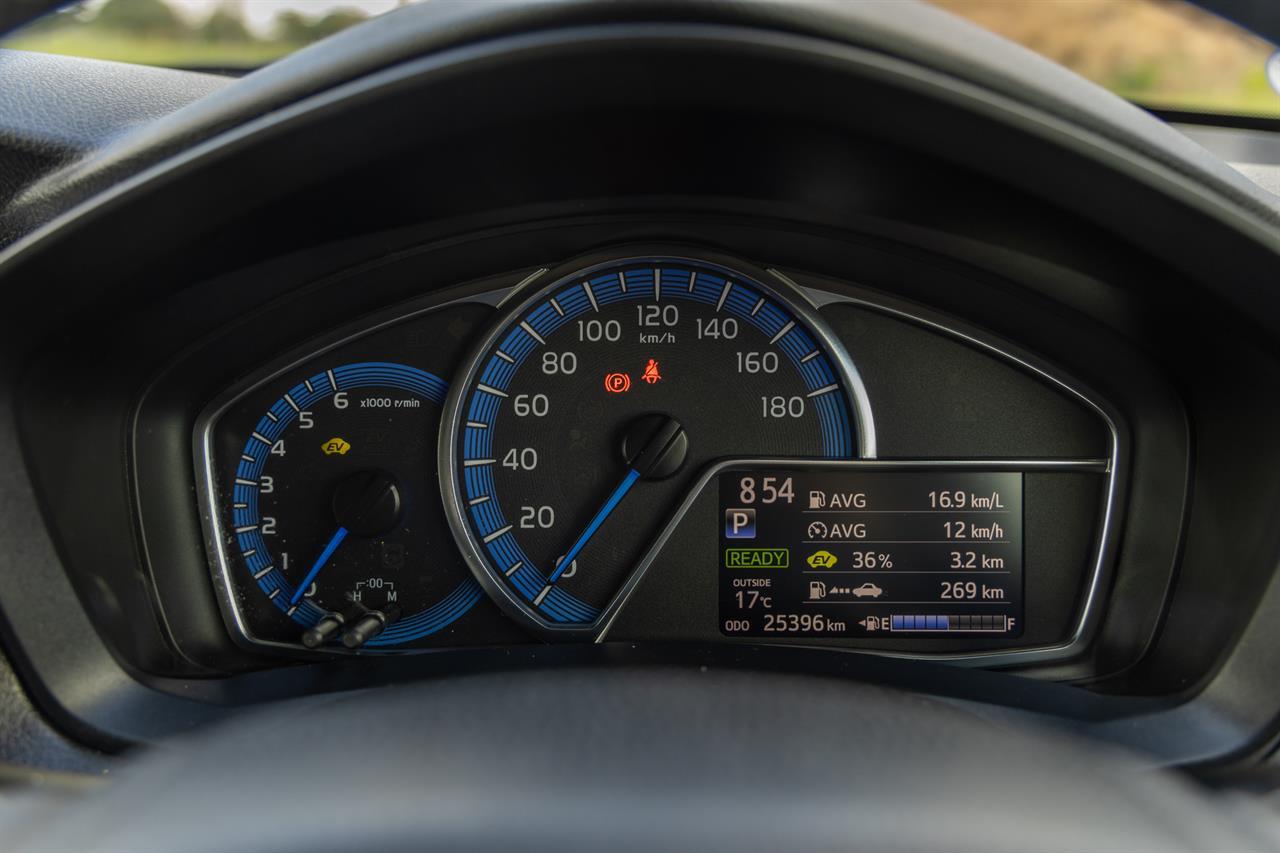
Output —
(870, 553)
(587, 414)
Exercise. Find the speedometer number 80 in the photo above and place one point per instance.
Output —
(559, 362)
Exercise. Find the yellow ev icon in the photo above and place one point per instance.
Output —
(821, 560)
(335, 445)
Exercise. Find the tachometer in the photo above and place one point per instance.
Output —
(585, 414)
(333, 515)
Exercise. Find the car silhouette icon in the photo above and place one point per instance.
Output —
(868, 589)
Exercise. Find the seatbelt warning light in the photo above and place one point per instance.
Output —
(651, 374)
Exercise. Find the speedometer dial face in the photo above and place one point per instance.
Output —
(586, 414)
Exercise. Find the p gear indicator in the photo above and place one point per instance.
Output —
(879, 553)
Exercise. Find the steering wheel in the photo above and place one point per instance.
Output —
(637, 759)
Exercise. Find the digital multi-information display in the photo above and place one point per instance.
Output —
(894, 554)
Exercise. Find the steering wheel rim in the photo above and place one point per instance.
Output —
(638, 758)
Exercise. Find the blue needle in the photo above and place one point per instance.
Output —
(609, 506)
(315, 570)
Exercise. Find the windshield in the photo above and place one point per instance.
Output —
(1162, 54)
(209, 35)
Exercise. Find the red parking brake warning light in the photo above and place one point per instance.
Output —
(617, 383)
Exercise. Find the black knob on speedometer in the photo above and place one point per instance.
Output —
(582, 419)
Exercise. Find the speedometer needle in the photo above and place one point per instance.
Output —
(665, 445)
(338, 536)
(609, 506)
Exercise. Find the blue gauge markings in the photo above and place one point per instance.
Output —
(646, 280)
(246, 517)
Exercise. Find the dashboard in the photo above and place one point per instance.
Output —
(333, 381)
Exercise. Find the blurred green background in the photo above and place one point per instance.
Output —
(227, 35)
(1160, 53)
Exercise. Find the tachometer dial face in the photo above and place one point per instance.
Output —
(335, 510)
(586, 414)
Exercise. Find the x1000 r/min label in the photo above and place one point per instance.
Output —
(907, 554)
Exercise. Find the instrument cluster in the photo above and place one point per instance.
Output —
(637, 445)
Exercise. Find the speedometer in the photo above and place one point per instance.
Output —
(585, 415)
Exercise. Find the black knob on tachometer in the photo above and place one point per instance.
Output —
(368, 503)
(369, 626)
(319, 634)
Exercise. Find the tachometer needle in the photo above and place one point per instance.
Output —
(338, 536)
(598, 519)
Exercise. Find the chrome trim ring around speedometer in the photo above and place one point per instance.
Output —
(594, 403)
